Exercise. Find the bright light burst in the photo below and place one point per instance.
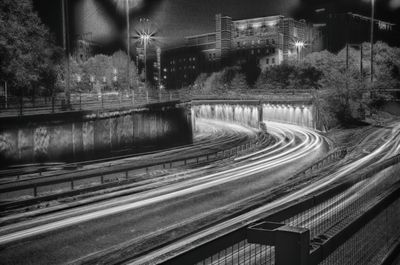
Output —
(145, 32)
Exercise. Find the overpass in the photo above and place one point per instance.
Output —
(301, 112)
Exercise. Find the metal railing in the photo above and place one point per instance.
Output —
(104, 177)
(83, 102)
(326, 215)
(16, 106)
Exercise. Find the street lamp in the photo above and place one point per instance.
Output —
(128, 39)
(79, 79)
(145, 37)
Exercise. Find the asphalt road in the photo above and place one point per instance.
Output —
(325, 219)
(70, 235)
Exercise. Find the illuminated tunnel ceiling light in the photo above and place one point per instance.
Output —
(257, 25)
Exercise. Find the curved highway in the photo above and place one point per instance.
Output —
(71, 234)
(322, 219)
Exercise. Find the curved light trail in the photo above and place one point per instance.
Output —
(293, 143)
(389, 148)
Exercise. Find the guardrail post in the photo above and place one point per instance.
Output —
(72, 184)
(126, 175)
(292, 246)
(35, 191)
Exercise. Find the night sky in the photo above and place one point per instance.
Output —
(105, 20)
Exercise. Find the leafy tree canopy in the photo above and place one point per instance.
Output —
(28, 53)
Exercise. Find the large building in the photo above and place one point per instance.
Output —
(85, 48)
(342, 28)
(266, 41)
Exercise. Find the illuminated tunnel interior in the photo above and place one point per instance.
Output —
(250, 114)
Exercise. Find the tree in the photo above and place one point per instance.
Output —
(200, 82)
(28, 53)
(252, 70)
(119, 61)
(239, 82)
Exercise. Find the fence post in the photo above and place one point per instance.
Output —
(292, 246)
(6, 94)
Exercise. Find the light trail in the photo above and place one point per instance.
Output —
(309, 141)
(389, 148)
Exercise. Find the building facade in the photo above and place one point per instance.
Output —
(340, 29)
(266, 41)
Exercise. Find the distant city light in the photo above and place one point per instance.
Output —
(257, 25)
(299, 44)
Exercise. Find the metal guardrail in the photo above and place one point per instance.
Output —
(223, 248)
(83, 102)
(334, 155)
(107, 176)
(114, 100)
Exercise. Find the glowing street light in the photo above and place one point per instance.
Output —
(145, 36)
(299, 46)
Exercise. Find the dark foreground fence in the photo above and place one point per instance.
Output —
(355, 222)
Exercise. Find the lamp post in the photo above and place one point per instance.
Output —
(128, 39)
(91, 79)
(145, 38)
(79, 79)
(372, 38)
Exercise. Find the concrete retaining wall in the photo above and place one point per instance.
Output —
(95, 135)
